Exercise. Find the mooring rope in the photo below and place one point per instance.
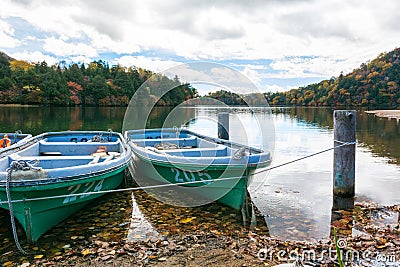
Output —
(176, 184)
(17, 165)
(309, 156)
(16, 135)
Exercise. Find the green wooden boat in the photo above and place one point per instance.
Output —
(205, 168)
(67, 163)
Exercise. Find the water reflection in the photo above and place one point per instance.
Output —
(140, 229)
(36, 120)
(379, 135)
(295, 200)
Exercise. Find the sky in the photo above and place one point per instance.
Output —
(277, 44)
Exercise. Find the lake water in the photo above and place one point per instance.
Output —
(295, 200)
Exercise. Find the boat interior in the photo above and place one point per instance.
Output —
(182, 144)
(185, 144)
(60, 151)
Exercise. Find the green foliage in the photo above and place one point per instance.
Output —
(94, 84)
(226, 97)
(338, 252)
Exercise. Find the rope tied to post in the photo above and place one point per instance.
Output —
(183, 183)
(16, 166)
(18, 132)
(347, 143)
(21, 165)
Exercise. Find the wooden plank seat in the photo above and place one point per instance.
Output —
(72, 149)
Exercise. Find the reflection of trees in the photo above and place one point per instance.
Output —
(380, 135)
(169, 117)
(34, 120)
(103, 118)
(315, 116)
(76, 119)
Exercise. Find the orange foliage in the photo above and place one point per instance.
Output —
(20, 64)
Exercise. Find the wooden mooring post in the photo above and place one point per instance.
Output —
(344, 159)
(223, 125)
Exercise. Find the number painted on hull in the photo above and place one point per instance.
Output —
(177, 179)
(73, 189)
(88, 186)
(187, 176)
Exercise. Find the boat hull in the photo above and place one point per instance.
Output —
(57, 173)
(38, 216)
(224, 184)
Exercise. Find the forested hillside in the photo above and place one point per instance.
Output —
(22, 82)
(375, 83)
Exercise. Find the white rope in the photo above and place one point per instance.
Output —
(308, 156)
(174, 184)
(17, 165)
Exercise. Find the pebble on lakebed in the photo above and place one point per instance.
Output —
(97, 236)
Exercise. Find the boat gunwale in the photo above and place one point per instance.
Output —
(123, 161)
(169, 159)
(211, 166)
(204, 137)
(64, 179)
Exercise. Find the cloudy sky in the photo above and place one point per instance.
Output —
(278, 44)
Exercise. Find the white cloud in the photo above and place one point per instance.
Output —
(31, 38)
(300, 67)
(34, 57)
(304, 38)
(213, 75)
(7, 36)
(46, 16)
(81, 59)
(153, 64)
(252, 74)
(276, 88)
(63, 48)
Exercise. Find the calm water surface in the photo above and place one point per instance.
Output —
(296, 200)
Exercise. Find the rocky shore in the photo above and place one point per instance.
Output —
(391, 114)
(211, 236)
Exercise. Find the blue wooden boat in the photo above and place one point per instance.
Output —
(219, 169)
(11, 140)
(60, 164)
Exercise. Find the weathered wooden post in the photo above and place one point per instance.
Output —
(223, 125)
(344, 159)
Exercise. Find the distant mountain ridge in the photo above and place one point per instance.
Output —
(375, 83)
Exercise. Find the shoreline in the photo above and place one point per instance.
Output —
(18, 105)
(390, 114)
(103, 240)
